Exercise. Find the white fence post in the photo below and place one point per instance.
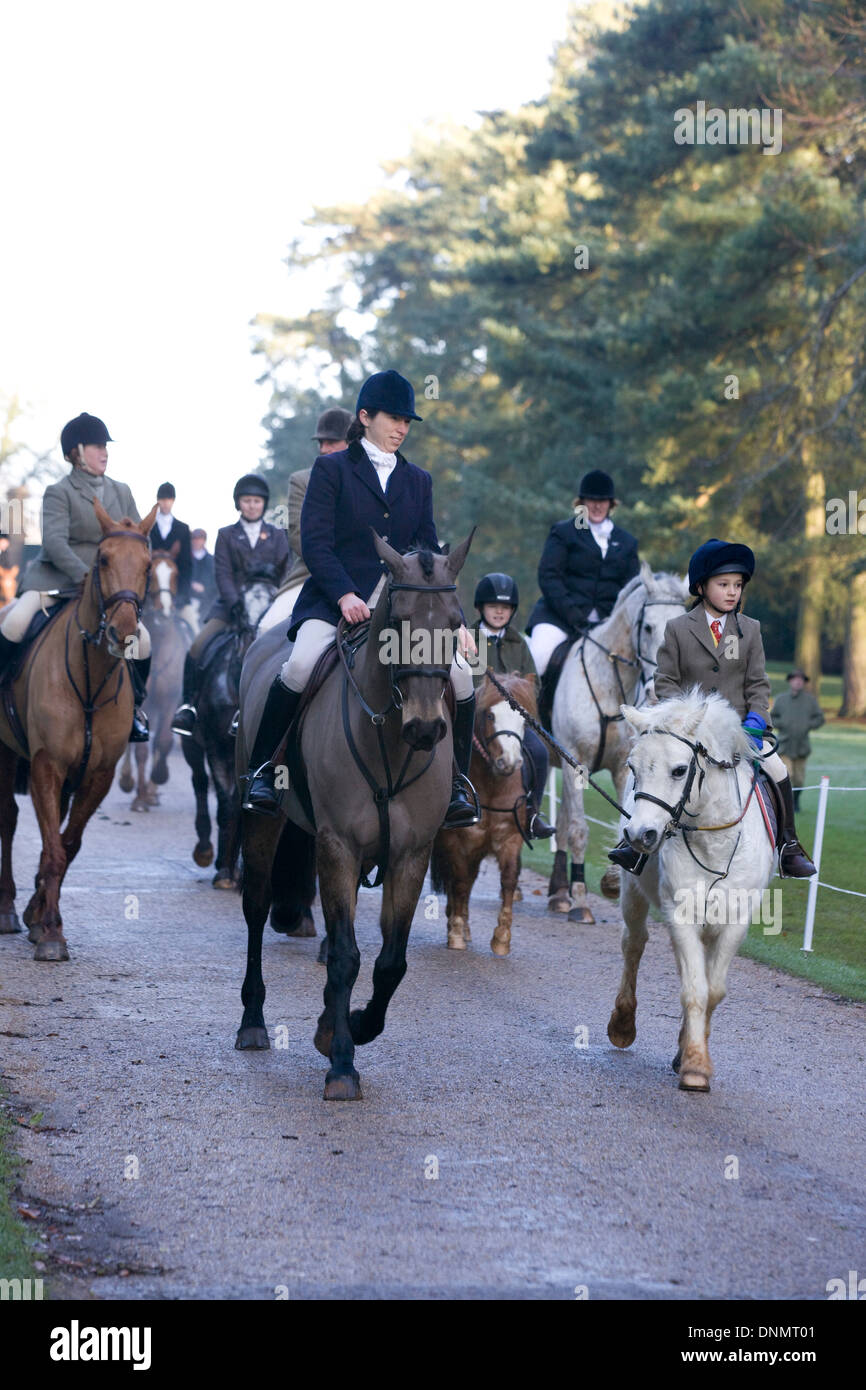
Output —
(552, 801)
(816, 860)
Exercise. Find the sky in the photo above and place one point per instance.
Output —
(156, 162)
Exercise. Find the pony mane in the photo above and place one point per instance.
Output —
(520, 688)
(667, 583)
(701, 718)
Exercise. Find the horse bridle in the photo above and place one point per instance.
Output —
(481, 742)
(119, 596)
(384, 793)
(617, 661)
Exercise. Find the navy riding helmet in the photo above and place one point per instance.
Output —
(720, 557)
(496, 588)
(84, 429)
(251, 485)
(388, 391)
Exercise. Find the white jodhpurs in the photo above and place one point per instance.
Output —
(773, 766)
(543, 641)
(23, 610)
(315, 635)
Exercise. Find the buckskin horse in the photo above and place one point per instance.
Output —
(170, 638)
(692, 806)
(602, 671)
(73, 708)
(496, 773)
(211, 747)
(375, 743)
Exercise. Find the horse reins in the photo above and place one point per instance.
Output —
(383, 794)
(90, 702)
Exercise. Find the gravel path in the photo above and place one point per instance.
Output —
(558, 1167)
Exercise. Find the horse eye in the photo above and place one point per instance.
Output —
(679, 771)
(103, 559)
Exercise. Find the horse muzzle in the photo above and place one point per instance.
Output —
(645, 839)
(424, 734)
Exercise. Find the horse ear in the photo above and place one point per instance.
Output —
(639, 719)
(105, 521)
(146, 526)
(175, 549)
(457, 557)
(393, 559)
(646, 575)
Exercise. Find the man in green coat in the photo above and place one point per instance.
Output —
(796, 712)
(70, 536)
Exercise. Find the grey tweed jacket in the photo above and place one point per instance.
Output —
(70, 530)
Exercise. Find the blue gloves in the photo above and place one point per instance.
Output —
(755, 726)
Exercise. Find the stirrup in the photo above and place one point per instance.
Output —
(182, 730)
(545, 832)
(625, 851)
(795, 846)
(268, 803)
(459, 815)
(140, 732)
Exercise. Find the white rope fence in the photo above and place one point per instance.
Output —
(815, 882)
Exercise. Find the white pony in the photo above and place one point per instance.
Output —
(601, 671)
(695, 814)
(281, 609)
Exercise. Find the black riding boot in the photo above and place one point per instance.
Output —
(186, 712)
(462, 809)
(627, 857)
(280, 709)
(7, 651)
(794, 862)
(539, 829)
(139, 670)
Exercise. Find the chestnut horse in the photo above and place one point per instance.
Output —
(74, 703)
(171, 640)
(496, 772)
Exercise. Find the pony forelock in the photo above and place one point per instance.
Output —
(701, 718)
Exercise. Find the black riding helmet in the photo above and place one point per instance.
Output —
(251, 485)
(84, 429)
(596, 486)
(496, 588)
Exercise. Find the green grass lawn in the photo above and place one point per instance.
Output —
(16, 1260)
(838, 959)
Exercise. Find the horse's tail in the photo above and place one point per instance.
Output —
(438, 868)
(22, 777)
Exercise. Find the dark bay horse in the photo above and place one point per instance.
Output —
(74, 703)
(211, 748)
(496, 773)
(398, 722)
(170, 638)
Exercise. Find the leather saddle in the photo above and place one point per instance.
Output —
(771, 805)
(550, 680)
(38, 623)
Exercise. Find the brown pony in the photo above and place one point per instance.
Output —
(8, 584)
(74, 703)
(171, 640)
(496, 773)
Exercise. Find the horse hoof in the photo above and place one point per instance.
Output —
(51, 950)
(323, 1040)
(456, 941)
(343, 1088)
(139, 804)
(223, 881)
(693, 1081)
(252, 1039)
(159, 776)
(621, 1035)
(126, 782)
(203, 857)
(560, 902)
(500, 948)
(610, 885)
(581, 914)
(306, 926)
(9, 922)
(322, 957)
